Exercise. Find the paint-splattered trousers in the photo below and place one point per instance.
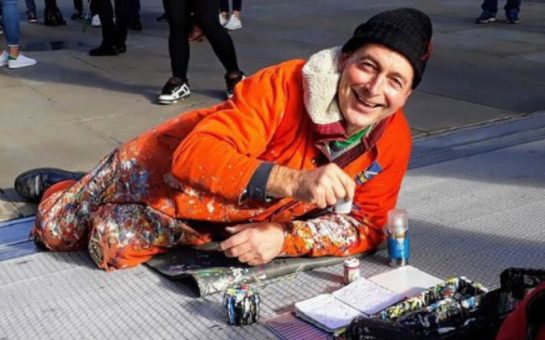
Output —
(99, 213)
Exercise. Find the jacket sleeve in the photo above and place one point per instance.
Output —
(220, 155)
(362, 230)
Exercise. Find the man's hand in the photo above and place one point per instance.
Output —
(254, 243)
(323, 186)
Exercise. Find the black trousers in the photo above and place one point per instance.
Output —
(113, 33)
(224, 5)
(205, 14)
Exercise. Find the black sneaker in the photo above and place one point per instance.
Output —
(512, 16)
(486, 17)
(32, 17)
(103, 50)
(231, 81)
(174, 90)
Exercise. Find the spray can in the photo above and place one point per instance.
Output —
(397, 231)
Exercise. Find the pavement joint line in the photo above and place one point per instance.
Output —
(477, 139)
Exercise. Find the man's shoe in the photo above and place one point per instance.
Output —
(120, 47)
(512, 16)
(233, 24)
(32, 17)
(223, 20)
(103, 50)
(174, 90)
(231, 81)
(95, 21)
(20, 61)
(32, 184)
(486, 17)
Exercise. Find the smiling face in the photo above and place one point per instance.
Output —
(375, 82)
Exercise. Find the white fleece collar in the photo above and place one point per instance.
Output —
(320, 80)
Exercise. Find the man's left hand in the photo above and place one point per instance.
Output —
(254, 243)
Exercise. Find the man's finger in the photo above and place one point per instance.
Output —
(237, 228)
(233, 241)
(239, 250)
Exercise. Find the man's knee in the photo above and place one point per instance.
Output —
(112, 245)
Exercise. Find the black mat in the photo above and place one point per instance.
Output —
(213, 272)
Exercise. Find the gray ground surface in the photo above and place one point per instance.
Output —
(475, 196)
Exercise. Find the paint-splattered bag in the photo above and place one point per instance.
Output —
(455, 309)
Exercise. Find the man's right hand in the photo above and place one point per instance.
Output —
(323, 186)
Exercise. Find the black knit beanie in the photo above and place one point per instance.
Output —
(405, 30)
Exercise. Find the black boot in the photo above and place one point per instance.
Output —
(32, 184)
(52, 14)
(105, 49)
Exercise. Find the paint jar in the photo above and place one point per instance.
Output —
(241, 305)
(343, 207)
(397, 231)
(351, 270)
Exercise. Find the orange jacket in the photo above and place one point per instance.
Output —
(197, 165)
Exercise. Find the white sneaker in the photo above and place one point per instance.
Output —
(234, 23)
(4, 58)
(95, 21)
(223, 20)
(21, 61)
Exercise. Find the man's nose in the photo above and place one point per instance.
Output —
(375, 85)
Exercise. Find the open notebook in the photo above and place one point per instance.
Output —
(333, 312)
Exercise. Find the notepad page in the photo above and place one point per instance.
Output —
(325, 310)
(406, 280)
(366, 296)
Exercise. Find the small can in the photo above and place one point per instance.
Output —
(351, 270)
(241, 304)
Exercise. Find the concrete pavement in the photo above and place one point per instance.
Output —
(72, 109)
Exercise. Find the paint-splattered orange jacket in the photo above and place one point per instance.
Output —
(200, 163)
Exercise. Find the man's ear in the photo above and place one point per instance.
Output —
(342, 60)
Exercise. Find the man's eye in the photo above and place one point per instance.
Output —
(398, 83)
(367, 65)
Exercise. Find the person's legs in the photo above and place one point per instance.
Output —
(512, 9)
(222, 44)
(121, 24)
(52, 14)
(62, 218)
(179, 27)
(237, 6)
(179, 23)
(490, 6)
(110, 34)
(78, 8)
(224, 11)
(31, 11)
(488, 15)
(10, 17)
(206, 13)
(134, 15)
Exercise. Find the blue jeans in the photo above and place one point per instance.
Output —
(10, 16)
(492, 5)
